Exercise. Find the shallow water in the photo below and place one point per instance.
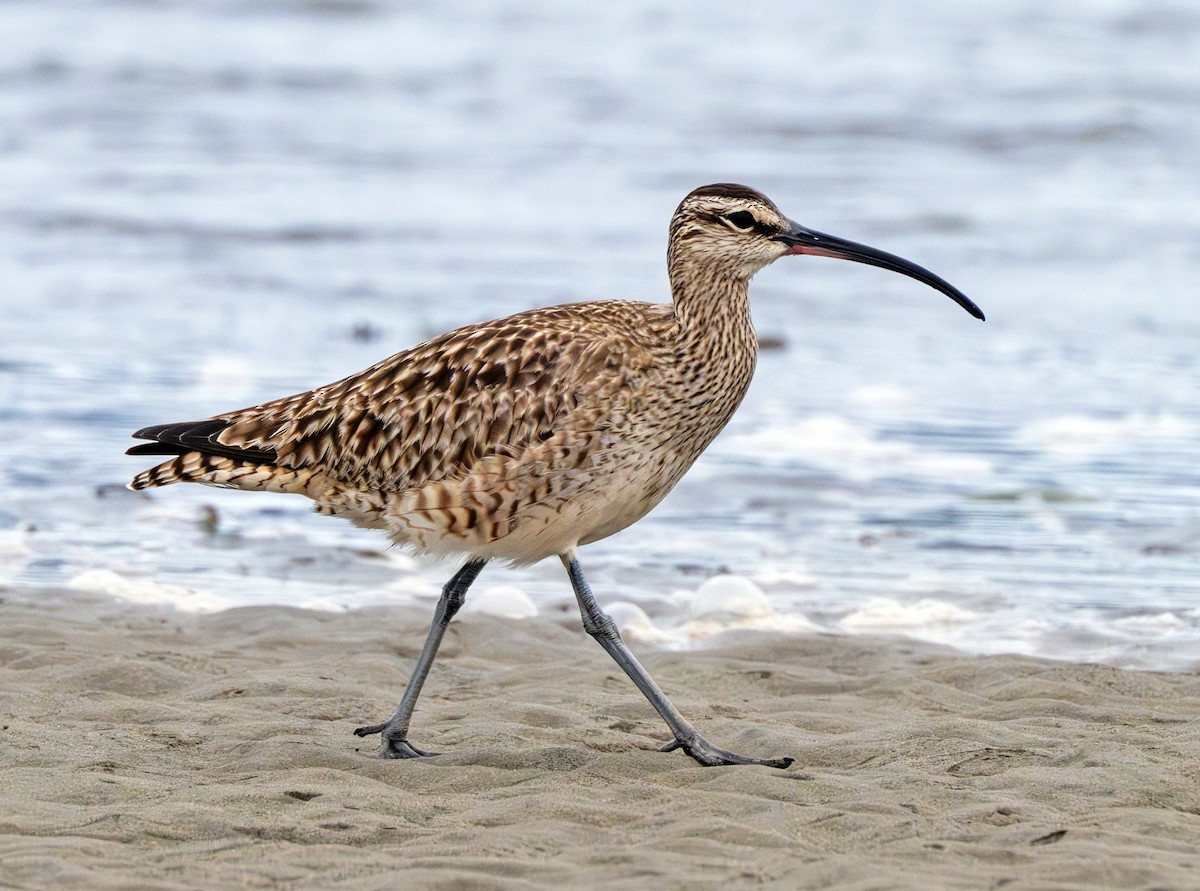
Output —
(205, 205)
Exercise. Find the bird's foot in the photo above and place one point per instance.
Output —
(395, 745)
(402, 748)
(711, 756)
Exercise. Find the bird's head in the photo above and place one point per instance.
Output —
(731, 230)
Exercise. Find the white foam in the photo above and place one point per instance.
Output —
(837, 444)
(325, 604)
(507, 601)
(411, 587)
(14, 547)
(1152, 625)
(783, 623)
(732, 596)
(886, 614)
(881, 396)
(113, 584)
(1078, 433)
(634, 623)
(1033, 627)
(728, 602)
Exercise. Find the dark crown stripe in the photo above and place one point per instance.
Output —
(729, 190)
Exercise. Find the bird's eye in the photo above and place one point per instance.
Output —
(741, 219)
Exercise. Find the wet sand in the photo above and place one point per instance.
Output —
(152, 749)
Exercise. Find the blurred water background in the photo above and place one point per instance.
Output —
(204, 205)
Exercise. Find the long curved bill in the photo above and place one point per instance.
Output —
(818, 244)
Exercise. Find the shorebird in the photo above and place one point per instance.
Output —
(529, 436)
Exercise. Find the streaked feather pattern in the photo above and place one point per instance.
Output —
(516, 438)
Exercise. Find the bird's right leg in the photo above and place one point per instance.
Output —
(395, 730)
(600, 626)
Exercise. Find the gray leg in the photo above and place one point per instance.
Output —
(600, 625)
(395, 729)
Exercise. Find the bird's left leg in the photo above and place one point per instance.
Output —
(600, 625)
(395, 729)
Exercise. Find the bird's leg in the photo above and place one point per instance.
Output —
(600, 625)
(395, 729)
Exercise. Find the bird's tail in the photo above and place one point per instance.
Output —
(199, 455)
(178, 470)
(218, 470)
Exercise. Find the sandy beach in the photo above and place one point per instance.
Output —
(153, 749)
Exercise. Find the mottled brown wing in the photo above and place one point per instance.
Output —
(432, 412)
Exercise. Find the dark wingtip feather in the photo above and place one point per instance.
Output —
(155, 448)
(196, 436)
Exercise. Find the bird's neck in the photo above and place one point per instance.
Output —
(712, 355)
(712, 313)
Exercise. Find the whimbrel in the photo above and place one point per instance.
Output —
(529, 436)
